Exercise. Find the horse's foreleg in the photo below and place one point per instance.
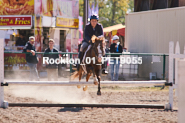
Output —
(95, 79)
(87, 79)
(88, 76)
(80, 76)
(99, 79)
(99, 88)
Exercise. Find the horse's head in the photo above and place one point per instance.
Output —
(98, 46)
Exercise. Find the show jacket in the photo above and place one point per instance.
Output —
(89, 32)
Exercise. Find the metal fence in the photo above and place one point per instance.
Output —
(133, 66)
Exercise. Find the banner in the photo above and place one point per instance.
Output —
(63, 8)
(89, 11)
(47, 8)
(75, 8)
(52, 8)
(67, 22)
(68, 40)
(75, 38)
(13, 59)
(38, 7)
(38, 36)
(16, 7)
(96, 11)
(80, 23)
(93, 10)
(16, 21)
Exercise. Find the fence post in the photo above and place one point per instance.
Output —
(177, 52)
(164, 65)
(1, 72)
(181, 91)
(70, 64)
(171, 53)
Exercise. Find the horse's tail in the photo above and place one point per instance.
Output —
(75, 75)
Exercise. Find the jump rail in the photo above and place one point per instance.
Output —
(67, 83)
(151, 106)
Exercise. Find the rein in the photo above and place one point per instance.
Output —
(96, 54)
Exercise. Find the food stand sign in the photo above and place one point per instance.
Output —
(67, 22)
(7, 21)
(16, 7)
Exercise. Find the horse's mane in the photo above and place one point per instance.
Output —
(101, 38)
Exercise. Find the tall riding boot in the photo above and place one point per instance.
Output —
(80, 57)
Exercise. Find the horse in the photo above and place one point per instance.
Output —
(94, 52)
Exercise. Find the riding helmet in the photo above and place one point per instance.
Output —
(94, 16)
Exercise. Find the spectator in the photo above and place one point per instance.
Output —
(115, 48)
(104, 65)
(21, 41)
(31, 58)
(106, 51)
(52, 69)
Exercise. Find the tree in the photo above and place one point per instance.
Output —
(81, 4)
(131, 5)
(113, 11)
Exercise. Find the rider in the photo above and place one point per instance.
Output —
(92, 28)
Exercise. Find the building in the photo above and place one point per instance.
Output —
(145, 5)
(151, 32)
(44, 19)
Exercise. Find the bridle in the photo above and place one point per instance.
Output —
(95, 51)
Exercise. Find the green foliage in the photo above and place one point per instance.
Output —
(111, 12)
(81, 2)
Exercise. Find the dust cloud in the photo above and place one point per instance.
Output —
(54, 94)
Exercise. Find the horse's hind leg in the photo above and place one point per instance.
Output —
(87, 79)
(80, 76)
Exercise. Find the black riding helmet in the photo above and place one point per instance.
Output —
(94, 16)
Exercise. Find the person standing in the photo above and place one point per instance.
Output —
(52, 69)
(115, 48)
(31, 58)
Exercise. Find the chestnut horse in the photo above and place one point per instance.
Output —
(91, 63)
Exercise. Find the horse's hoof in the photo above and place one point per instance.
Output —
(99, 93)
(85, 88)
(78, 86)
(95, 83)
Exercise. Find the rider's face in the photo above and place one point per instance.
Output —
(94, 22)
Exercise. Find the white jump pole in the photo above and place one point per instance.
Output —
(75, 83)
(3, 104)
(1, 72)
